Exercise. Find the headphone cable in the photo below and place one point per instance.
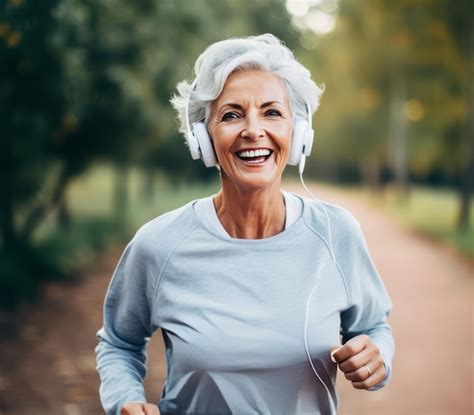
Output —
(300, 171)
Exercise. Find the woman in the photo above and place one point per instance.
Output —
(254, 288)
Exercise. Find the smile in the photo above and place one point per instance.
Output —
(254, 157)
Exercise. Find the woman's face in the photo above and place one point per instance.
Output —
(251, 126)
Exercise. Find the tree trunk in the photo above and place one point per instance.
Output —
(148, 190)
(398, 133)
(463, 220)
(467, 184)
(370, 172)
(9, 236)
(38, 213)
(64, 214)
(121, 191)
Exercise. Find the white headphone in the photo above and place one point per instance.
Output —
(200, 144)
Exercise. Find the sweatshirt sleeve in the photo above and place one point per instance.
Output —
(368, 302)
(121, 350)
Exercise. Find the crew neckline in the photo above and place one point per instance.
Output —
(206, 212)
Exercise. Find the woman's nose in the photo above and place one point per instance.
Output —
(253, 127)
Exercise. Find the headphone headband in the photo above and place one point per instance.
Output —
(186, 108)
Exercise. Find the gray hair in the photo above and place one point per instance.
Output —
(213, 67)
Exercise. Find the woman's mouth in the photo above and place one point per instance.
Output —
(254, 157)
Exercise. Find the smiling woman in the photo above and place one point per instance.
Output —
(254, 289)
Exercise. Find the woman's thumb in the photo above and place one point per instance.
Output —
(334, 350)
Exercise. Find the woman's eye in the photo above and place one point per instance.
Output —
(231, 115)
(273, 113)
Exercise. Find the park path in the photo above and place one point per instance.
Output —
(47, 364)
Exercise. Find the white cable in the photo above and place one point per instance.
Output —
(300, 170)
(307, 349)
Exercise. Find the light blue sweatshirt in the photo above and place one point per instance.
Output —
(232, 312)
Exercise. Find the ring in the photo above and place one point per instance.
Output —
(368, 370)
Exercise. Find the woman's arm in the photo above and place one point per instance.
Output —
(121, 351)
(368, 345)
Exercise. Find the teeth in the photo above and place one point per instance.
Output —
(254, 153)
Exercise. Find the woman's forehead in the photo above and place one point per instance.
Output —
(260, 86)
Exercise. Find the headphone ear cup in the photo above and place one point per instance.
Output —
(297, 141)
(193, 145)
(205, 147)
(309, 139)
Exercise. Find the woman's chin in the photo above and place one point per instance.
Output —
(257, 180)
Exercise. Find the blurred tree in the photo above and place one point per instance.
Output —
(101, 43)
(459, 19)
(85, 81)
(32, 102)
(399, 76)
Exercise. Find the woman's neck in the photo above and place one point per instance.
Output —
(251, 213)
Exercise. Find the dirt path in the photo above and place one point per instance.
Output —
(47, 364)
(432, 320)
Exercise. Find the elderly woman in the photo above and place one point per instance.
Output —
(260, 294)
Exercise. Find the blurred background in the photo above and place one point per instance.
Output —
(90, 150)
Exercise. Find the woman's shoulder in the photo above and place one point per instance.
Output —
(167, 228)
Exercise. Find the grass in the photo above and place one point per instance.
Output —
(430, 211)
(92, 194)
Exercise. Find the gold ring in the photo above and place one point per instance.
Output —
(368, 370)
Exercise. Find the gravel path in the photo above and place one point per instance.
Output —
(47, 364)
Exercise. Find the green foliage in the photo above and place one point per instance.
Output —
(59, 256)
(394, 68)
(70, 250)
(86, 81)
(15, 281)
(62, 253)
(31, 98)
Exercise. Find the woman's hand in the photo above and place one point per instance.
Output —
(360, 360)
(139, 409)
